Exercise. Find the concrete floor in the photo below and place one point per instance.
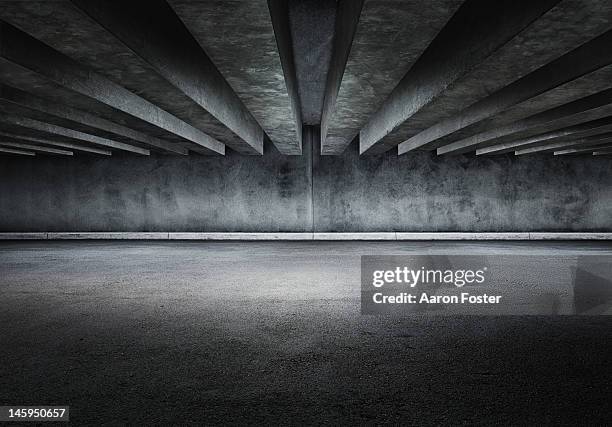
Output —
(160, 333)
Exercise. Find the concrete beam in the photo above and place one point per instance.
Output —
(582, 150)
(594, 127)
(312, 51)
(177, 56)
(21, 49)
(549, 37)
(588, 84)
(35, 148)
(239, 38)
(452, 54)
(25, 99)
(25, 139)
(577, 107)
(602, 152)
(380, 55)
(14, 151)
(48, 128)
(279, 15)
(347, 18)
(564, 144)
(589, 57)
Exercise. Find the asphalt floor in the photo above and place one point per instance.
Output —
(162, 333)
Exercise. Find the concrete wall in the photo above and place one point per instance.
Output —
(424, 192)
(156, 193)
(416, 192)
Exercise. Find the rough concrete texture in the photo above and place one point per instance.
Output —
(506, 134)
(599, 128)
(238, 193)
(592, 141)
(390, 36)
(271, 333)
(424, 192)
(590, 148)
(580, 62)
(534, 117)
(176, 55)
(239, 38)
(24, 51)
(312, 24)
(37, 85)
(27, 124)
(10, 137)
(38, 148)
(418, 192)
(347, 18)
(564, 27)
(17, 151)
(66, 29)
(279, 15)
(48, 111)
(591, 84)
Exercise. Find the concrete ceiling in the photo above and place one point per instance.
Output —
(312, 24)
(205, 76)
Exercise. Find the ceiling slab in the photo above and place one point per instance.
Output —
(65, 28)
(36, 148)
(176, 56)
(592, 128)
(19, 138)
(595, 140)
(239, 38)
(312, 24)
(587, 150)
(84, 121)
(27, 52)
(589, 57)
(535, 118)
(181, 76)
(16, 151)
(347, 17)
(69, 133)
(390, 37)
(428, 91)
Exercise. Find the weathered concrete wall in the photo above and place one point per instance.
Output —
(157, 193)
(424, 192)
(416, 192)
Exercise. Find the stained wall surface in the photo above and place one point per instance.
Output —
(415, 192)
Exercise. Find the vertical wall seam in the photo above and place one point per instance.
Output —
(312, 178)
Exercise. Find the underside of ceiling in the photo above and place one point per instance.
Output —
(181, 77)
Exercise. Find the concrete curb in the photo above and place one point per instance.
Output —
(390, 236)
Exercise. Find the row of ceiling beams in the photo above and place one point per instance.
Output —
(105, 76)
(181, 76)
(474, 76)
